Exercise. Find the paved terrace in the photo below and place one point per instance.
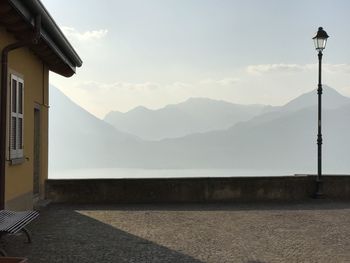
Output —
(313, 231)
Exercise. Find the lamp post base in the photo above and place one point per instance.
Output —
(319, 190)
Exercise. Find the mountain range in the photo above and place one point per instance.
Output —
(252, 136)
(178, 120)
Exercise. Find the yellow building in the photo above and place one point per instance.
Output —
(31, 44)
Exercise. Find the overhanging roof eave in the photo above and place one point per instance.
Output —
(50, 31)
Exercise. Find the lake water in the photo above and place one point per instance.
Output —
(162, 173)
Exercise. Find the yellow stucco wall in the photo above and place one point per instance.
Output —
(19, 178)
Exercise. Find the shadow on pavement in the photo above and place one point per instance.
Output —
(64, 235)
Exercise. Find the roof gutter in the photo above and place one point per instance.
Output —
(3, 102)
(50, 31)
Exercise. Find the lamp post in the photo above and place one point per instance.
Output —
(320, 40)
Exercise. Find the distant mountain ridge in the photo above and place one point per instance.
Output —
(331, 99)
(281, 138)
(194, 115)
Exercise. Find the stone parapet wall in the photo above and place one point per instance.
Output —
(234, 189)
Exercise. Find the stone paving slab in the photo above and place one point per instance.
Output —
(316, 231)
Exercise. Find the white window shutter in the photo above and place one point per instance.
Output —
(16, 118)
(20, 120)
(13, 119)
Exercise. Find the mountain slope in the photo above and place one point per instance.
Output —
(284, 139)
(331, 99)
(286, 143)
(79, 139)
(192, 116)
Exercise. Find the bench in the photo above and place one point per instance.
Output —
(12, 222)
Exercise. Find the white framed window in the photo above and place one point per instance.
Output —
(16, 118)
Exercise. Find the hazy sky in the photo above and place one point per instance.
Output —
(156, 52)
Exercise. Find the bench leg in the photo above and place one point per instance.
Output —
(2, 250)
(27, 233)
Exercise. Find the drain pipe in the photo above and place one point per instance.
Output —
(3, 101)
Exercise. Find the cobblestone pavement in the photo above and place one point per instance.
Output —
(316, 231)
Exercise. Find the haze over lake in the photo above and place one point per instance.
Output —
(198, 138)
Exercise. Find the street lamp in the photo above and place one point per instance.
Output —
(320, 41)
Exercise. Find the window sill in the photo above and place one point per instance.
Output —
(17, 161)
